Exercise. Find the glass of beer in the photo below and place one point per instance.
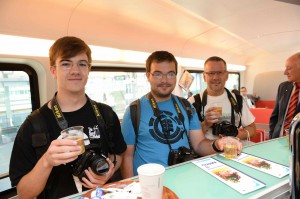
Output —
(75, 133)
(231, 147)
(218, 107)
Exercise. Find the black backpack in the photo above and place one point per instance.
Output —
(135, 111)
(198, 104)
(40, 135)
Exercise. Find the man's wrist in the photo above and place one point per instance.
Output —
(215, 147)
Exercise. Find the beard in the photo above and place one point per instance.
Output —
(163, 90)
(216, 87)
(163, 95)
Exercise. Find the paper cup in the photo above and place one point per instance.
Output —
(151, 180)
(74, 133)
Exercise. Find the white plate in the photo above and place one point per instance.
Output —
(119, 195)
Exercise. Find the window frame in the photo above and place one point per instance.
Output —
(202, 71)
(34, 91)
(33, 80)
(114, 68)
(119, 69)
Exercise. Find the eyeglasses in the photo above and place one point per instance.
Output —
(67, 65)
(218, 73)
(159, 75)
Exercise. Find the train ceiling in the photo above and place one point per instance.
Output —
(240, 31)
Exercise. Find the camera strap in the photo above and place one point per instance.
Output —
(63, 123)
(234, 106)
(233, 102)
(103, 127)
(164, 125)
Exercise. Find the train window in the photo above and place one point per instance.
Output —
(18, 97)
(117, 87)
(199, 85)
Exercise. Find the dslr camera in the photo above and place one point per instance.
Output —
(180, 155)
(225, 128)
(90, 158)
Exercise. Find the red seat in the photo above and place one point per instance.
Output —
(259, 137)
(265, 104)
(262, 115)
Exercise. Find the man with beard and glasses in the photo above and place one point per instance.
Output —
(160, 108)
(234, 109)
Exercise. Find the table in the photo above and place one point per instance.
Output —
(191, 182)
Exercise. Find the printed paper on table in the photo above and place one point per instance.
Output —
(230, 176)
(263, 165)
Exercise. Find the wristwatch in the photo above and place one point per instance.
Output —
(215, 148)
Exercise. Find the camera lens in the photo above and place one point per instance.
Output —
(225, 128)
(100, 165)
(90, 158)
(230, 130)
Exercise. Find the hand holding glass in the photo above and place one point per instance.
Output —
(231, 147)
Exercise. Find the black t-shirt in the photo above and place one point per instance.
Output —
(60, 182)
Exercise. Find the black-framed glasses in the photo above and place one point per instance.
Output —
(67, 65)
(213, 73)
(159, 75)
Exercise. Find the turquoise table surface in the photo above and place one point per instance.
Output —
(189, 181)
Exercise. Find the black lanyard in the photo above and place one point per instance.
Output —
(63, 123)
(164, 125)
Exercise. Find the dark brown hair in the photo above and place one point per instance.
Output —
(67, 47)
(158, 57)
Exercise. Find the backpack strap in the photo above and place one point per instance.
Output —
(198, 106)
(40, 137)
(187, 106)
(40, 141)
(239, 100)
(108, 118)
(135, 111)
